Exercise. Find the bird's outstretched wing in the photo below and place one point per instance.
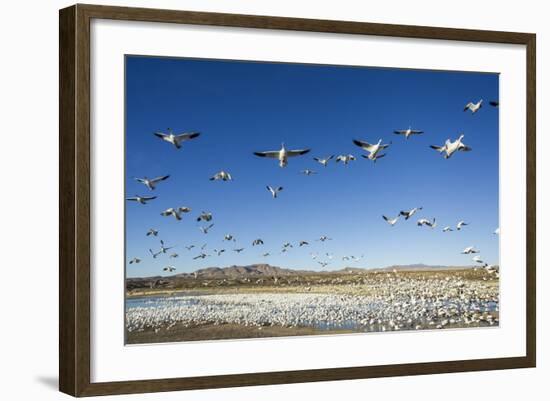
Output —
(468, 106)
(148, 198)
(399, 132)
(274, 154)
(364, 145)
(465, 148)
(132, 199)
(160, 135)
(186, 136)
(416, 131)
(298, 152)
(494, 103)
(438, 148)
(162, 178)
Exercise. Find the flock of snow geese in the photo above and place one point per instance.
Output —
(374, 151)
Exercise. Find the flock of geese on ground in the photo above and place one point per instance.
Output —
(374, 151)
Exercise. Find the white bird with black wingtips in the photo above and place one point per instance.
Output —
(407, 132)
(151, 183)
(141, 199)
(282, 154)
(373, 149)
(274, 190)
(450, 148)
(176, 139)
(391, 221)
(473, 107)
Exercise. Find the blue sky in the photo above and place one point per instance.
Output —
(242, 107)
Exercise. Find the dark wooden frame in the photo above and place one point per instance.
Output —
(74, 199)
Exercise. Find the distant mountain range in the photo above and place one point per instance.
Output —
(260, 270)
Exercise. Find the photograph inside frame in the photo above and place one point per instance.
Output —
(275, 199)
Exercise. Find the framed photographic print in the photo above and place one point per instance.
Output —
(250, 200)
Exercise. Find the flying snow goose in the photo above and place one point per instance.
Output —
(221, 175)
(169, 269)
(469, 250)
(206, 228)
(176, 139)
(152, 183)
(141, 199)
(176, 212)
(135, 260)
(283, 154)
(461, 224)
(447, 229)
(287, 245)
(473, 107)
(409, 213)
(390, 221)
(426, 222)
(189, 247)
(238, 250)
(152, 232)
(303, 243)
(174, 255)
(345, 159)
(477, 259)
(219, 251)
(229, 237)
(308, 172)
(324, 238)
(449, 148)
(163, 248)
(373, 149)
(154, 254)
(407, 132)
(265, 255)
(201, 256)
(323, 264)
(274, 191)
(257, 241)
(323, 162)
(206, 216)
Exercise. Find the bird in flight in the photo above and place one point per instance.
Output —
(169, 269)
(345, 159)
(176, 212)
(473, 107)
(206, 216)
(151, 183)
(390, 221)
(176, 139)
(461, 224)
(426, 222)
(469, 250)
(141, 199)
(302, 243)
(283, 154)
(324, 238)
(154, 254)
(200, 256)
(407, 132)
(308, 172)
(373, 149)
(229, 237)
(324, 162)
(274, 191)
(257, 241)
(409, 213)
(447, 229)
(238, 250)
(206, 228)
(221, 175)
(163, 248)
(451, 147)
(152, 232)
(135, 260)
